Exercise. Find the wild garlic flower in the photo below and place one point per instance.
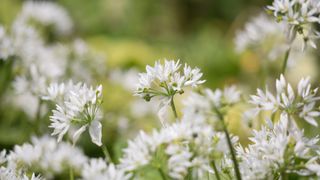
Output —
(47, 14)
(201, 108)
(3, 158)
(12, 174)
(166, 80)
(179, 160)
(274, 150)
(47, 156)
(261, 35)
(97, 169)
(298, 15)
(185, 145)
(313, 165)
(6, 46)
(76, 110)
(296, 103)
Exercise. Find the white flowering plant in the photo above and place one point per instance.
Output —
(69, 127)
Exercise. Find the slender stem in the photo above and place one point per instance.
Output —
(106, 153)
(173, 107)
(234, 159)
(38, 117)
(216, 172)
(163, 176)
(284, 176)
(285, 62)
(71, 175)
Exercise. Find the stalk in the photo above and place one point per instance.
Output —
(163, 176)
(106, 153)
(216, 172)
(173, 107)
(285, 62)
(234, 159)
(71, 175)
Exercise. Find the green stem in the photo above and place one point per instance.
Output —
(284, 176)
(71, 175)
(163, 176)
(234, 159)
(173, 107)
(216, 172)
(38, 117)
(106, 153)
(285, 62)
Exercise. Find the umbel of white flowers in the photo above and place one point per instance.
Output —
(77, 108)
(299, 15)
(277, 149)
(301, 103)
(167, 80)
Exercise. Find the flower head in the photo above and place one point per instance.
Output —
(301, 103)
(165, 80)
(77, 109)
(299, 15)
(274, 149)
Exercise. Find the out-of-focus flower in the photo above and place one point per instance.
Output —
(201, 108)
(48, 14)
(47, 156)
(77, 108)
(179, 161)
(97, 169)
(12, 174)
(261, 35)
(301, 102)
(6, 46)
(3, 158)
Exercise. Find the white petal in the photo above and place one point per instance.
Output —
(77, 134)
(95, 132)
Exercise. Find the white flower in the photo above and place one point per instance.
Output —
(78, 110)
(138, 153)
(166, 80)
(47, 156)
(6, 46)
(97, 169)
(186, 144)
(298, 15)
(300, 102)
(261, 35)
(12, 174)
(201, 107)
(179, 161)
(3, 158)
(47, 14)
(274, 149)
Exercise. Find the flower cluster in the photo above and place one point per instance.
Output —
(261, 35)
(298, 14)
(97, 169)
(301, 103)
(36, 62)
(165, 80)
(277, 150)
(196, 145)
(47, 14)
(184, 144)
(77, 108)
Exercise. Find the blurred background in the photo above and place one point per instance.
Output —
(137, 32)
(134, 33)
